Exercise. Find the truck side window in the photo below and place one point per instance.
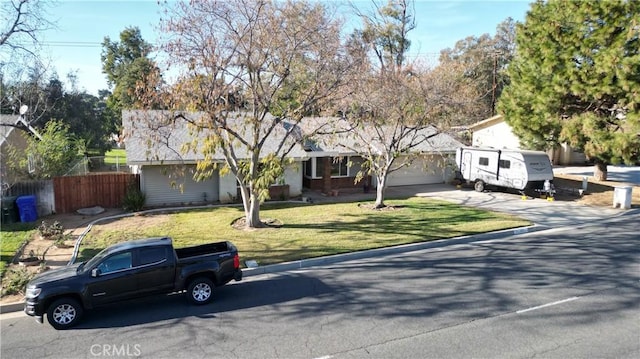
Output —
(504, 164)
(484, 161)
(152, 255)
(116, 262)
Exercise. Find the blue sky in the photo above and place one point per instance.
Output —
(75, 43)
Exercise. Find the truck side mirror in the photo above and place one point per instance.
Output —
(95, 272)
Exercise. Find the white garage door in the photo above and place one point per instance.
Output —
(161, 186)
(422, 171)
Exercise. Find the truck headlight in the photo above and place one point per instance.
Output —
(33, 292)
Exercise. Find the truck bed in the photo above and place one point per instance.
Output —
(204, 249)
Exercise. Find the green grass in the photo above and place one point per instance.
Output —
(309, 230)
(12, 236)
(115, 156)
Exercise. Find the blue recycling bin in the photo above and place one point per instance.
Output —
(27, 207)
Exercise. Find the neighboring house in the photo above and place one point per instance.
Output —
(495, 132)
(13, 129)
(166, 173)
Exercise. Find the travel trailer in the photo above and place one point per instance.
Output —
(521, 170)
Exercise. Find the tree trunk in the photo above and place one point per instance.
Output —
(253, 216)
(382, 180)
(251, 206)
(600, 171)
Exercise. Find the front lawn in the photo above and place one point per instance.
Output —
(12, 235)
(307, 230)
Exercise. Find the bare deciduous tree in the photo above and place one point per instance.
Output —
(22, 70)
(394, 109)
(23, 21)
(252, 70)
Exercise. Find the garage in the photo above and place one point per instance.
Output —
(423, 170)
(162, 186)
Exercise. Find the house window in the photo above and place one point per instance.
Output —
(504, 164)
(339, 167)
(484, 161)
(308, 168)
(319, 167)
(31, 164)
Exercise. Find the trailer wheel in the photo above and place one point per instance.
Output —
(479, 186)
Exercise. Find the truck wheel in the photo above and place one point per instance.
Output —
(479, 186)
(64, 313)
(200, 291)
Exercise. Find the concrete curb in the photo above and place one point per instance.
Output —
(372, 253)
(11, 307)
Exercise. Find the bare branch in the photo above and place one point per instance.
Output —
(25, 21)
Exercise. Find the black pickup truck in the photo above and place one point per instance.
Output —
(129, 270)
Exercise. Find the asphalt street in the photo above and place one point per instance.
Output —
(563, 292)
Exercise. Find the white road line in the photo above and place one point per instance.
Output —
(325, 357)
(547, 305)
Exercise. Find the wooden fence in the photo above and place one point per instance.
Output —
(106, 190)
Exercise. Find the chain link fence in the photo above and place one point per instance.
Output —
(98, 164)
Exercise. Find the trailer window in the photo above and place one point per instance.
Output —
(484, 161)
(504, 164)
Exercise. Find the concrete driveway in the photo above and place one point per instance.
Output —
(540, 211)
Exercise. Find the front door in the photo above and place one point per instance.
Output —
(465, 167)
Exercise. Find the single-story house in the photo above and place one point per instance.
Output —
(495, 132)
(13, 132)
(154, 151)
(154, 146)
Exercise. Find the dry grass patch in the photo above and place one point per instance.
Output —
(599, 193)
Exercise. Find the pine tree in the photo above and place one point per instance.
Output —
(576, 79)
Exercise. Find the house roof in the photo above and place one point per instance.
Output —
(333, 138)
(156, 137)
(152, 137)
(486, 123)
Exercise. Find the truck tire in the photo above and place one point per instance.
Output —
(64, 313)
(479, 186)
(200, 291)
